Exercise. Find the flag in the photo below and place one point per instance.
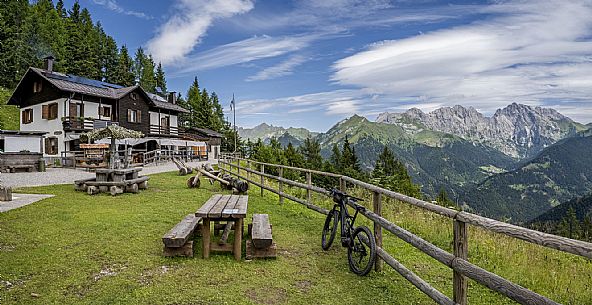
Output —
(232, 103)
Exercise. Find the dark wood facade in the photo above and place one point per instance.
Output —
(25, 95)
(141, 104)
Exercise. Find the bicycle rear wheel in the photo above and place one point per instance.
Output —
(330, 229)
(361, 253)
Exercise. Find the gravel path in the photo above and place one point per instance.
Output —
(68, 175)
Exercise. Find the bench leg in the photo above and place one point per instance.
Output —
(238, 238)
(205, 237)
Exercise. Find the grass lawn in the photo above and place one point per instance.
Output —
(81, 249)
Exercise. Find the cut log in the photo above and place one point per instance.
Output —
(261, 231)
(211, 176)
(181, 232)
(91, 190)
(5, 193)
(252, 252)
(115, 190)
(143, 185)
(193, 182)
(132, 188)
(227, 229)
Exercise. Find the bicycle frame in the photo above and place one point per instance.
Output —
(347, 221)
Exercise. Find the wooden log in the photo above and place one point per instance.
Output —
(131, 188)
(261, 231)
(211, 176)
(281, 185)
(251, 252)
(143, 185)
(377, 205)
(461, 250)
(182, 171)
(309, 184)
(418, 282)
(118, 183)
(181, 232)
(262, 178)
(92, 190)
(225, 233)
(115, 190)
(5, 193)
(185, 250)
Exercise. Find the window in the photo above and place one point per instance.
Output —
(134, 96)
(51, 146)
(27, 116)
(134, 116)
(105, 111)
(37, 86)
(49, 112)
(164, 122)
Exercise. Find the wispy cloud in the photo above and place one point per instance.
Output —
(282, 69)
(248, 50)
(189, 23)
(528, 51)
(114, 6)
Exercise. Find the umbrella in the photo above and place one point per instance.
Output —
(115, 132)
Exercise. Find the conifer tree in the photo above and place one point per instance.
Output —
(336, 158)
(193, 102)
(311, 149)
(569, 225)
(124, 73)
(160, 79)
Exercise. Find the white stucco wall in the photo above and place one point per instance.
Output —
(154, 119)
(20, 143)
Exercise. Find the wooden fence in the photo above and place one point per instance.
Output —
(457, 261)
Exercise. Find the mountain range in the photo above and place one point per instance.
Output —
(514, 165)
(265, 132)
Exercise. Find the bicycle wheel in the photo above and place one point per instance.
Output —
(361, 253)
(330, 229)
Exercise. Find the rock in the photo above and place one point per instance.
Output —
(35, 295)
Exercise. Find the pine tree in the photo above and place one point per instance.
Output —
(124, 73)
(193, 102)
(336, 159)
(218, 120)
(349, 160)
(148, 78)
(110, 61)
(569, 225)
(61, 9)
(385, 164)
(311, 149)
(15, 53)
(204, 111)
(160, 79)
(443, 199)
(390, 173)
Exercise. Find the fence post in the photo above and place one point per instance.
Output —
(342, 185)
(248, 172)
(237, 166)
(262, 178)
(377, 205)
(281, 185)
(461, 250)
(309, 183)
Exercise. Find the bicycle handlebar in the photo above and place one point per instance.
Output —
(335, 192)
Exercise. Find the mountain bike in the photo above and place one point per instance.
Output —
(359, 241)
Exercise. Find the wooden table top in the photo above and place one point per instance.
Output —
(224, 206)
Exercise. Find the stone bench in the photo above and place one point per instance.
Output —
(177, 241)
(261, 244)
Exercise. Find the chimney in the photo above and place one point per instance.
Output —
(48, 66)
(172, 97)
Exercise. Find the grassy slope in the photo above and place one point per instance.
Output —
(57, 248)
(9, 115)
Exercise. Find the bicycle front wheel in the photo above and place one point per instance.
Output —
(330, 229)
(361, 252)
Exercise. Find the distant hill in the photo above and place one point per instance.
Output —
(265, 132)
(550, 219)
(434, 159)
(559, 173)
(517, 130)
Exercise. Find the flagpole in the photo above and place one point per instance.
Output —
(234, 119)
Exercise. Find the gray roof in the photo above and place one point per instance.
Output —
(208, 132)
(23, 132)
(72, 83)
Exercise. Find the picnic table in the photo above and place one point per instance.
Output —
(229, 208)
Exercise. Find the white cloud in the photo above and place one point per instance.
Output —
(114, 6)
(526, 51)
(281, 69)
(183, 31)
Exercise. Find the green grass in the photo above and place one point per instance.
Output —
(9, 115)
(78, 249)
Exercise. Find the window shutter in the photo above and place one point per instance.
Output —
(129, 115)
(24, 116)
(139, 116)
(47, 145)
(53, 111)
(45, 112)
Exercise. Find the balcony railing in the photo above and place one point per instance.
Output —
(167, 130)
(82, 124)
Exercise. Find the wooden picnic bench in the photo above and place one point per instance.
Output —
(229, 208)
(261, 244)
(177, 240)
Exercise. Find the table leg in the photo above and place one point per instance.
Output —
(205, 237)
(238, 238)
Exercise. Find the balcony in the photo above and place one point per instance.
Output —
(84, 124)
(166, 130)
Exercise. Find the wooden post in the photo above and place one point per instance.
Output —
(461, 250)
(237, 166)
(238, 236)
(262, 178)
(377, 204)
(281, 185)
(205, 238)
(342, 185)
(249, 167)
(309, 183)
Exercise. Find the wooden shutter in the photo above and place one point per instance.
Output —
(129, 116)
(138, 116)
(24, 116)
(53, 111)
(45, 112)
(47, 146)
(73, 110)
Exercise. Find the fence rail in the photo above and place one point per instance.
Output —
(457, 261)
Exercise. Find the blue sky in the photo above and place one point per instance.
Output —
(308, 63)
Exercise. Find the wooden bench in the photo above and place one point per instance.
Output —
(27, 168)
(177, 241)
(261, 244)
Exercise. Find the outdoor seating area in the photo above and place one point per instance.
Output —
(113, 181)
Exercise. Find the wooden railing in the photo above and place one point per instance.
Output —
(457, 261)
(166, 130)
